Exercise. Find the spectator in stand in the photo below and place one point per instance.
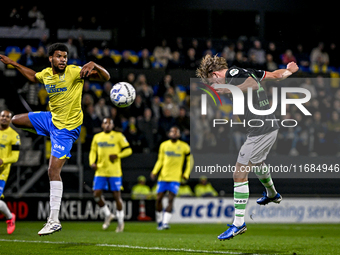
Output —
(146, 93)
(318, 131)
(93, 55)
(130, 78)
(271, 65)
(310, 87)
(162, 53)
(144, 61)
(72, 49)
(164, 84)
(86, 101)
(106, 92)
(176, 61)
(15, 18)
(240, 60)
(41, 58)
(288, 57)
(172, 92)
(93, 24)
(27, 59)
(91, 122)
(101, 109)
(179, 47)
(195, 45)
(125, 62)
(333, 126)
(148, 127)
(140, 80)
(204, 188)
(302, 57)
(257, 54)
(170, 105)
(106, 60)
(88, 90)
(229, 53)
(334, 55)
(82, 49)
(43, 42)
(209, 47)
(319, 59)
(34, 14)
(274, 52)
(183, 122)
(164, 124)
(138, 107)
(79, 24)
(191, 62)
(116, 119)
(140, 190)
(240, 48)
(156, 107)
(132, 134)
(336, 106)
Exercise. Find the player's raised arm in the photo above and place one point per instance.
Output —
(94, 71)
(281, 74)
(25, 71)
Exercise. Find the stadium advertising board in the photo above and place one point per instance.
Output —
(293, 210)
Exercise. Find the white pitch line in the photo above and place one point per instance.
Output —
(126, 246)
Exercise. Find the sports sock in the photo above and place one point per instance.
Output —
(263, 174)
(159, 216)
(56, 192)
(241, 195)
(120, 216)
(4, 209)
(167, 217)
(105, 209)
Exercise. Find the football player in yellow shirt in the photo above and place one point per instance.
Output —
(171, 156)
(64, 85)
(107, 148)
(9, 153)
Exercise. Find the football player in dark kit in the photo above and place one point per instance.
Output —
(259, 139)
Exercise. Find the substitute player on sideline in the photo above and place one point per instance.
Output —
(259, 140)
(9, 153)
(171, 156)
(64, 85)
(107, 148)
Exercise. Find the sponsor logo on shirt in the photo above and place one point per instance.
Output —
(52, 89)
(172, 154)
(105, 144)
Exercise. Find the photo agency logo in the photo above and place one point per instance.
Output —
(254, 105)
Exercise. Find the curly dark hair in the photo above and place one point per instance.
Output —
(210, 64)
(57, 46)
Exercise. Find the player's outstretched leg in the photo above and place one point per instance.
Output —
(9, 216)
(56, 192)
(241, 195)
(271, 195)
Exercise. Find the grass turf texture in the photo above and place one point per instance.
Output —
(143, 238)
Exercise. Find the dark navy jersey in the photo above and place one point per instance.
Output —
(236, 76)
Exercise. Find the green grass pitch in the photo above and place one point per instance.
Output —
(143, 238)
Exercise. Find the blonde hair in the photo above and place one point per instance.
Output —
(210, 64)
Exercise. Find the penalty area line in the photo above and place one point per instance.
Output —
(124, 246)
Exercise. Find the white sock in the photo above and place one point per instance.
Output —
(159, 217)
(263, 174)
(56, 192)
(105, 209)
(241, 195)
(120, 216)
(4, 209)
(167, 217)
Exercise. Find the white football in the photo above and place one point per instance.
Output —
(122, 94)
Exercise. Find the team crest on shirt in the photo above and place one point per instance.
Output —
(233, 72)
(62, 77)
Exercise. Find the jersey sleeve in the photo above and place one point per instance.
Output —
(40, 76)
(125, 147)
(260, 74)
(93, 151)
